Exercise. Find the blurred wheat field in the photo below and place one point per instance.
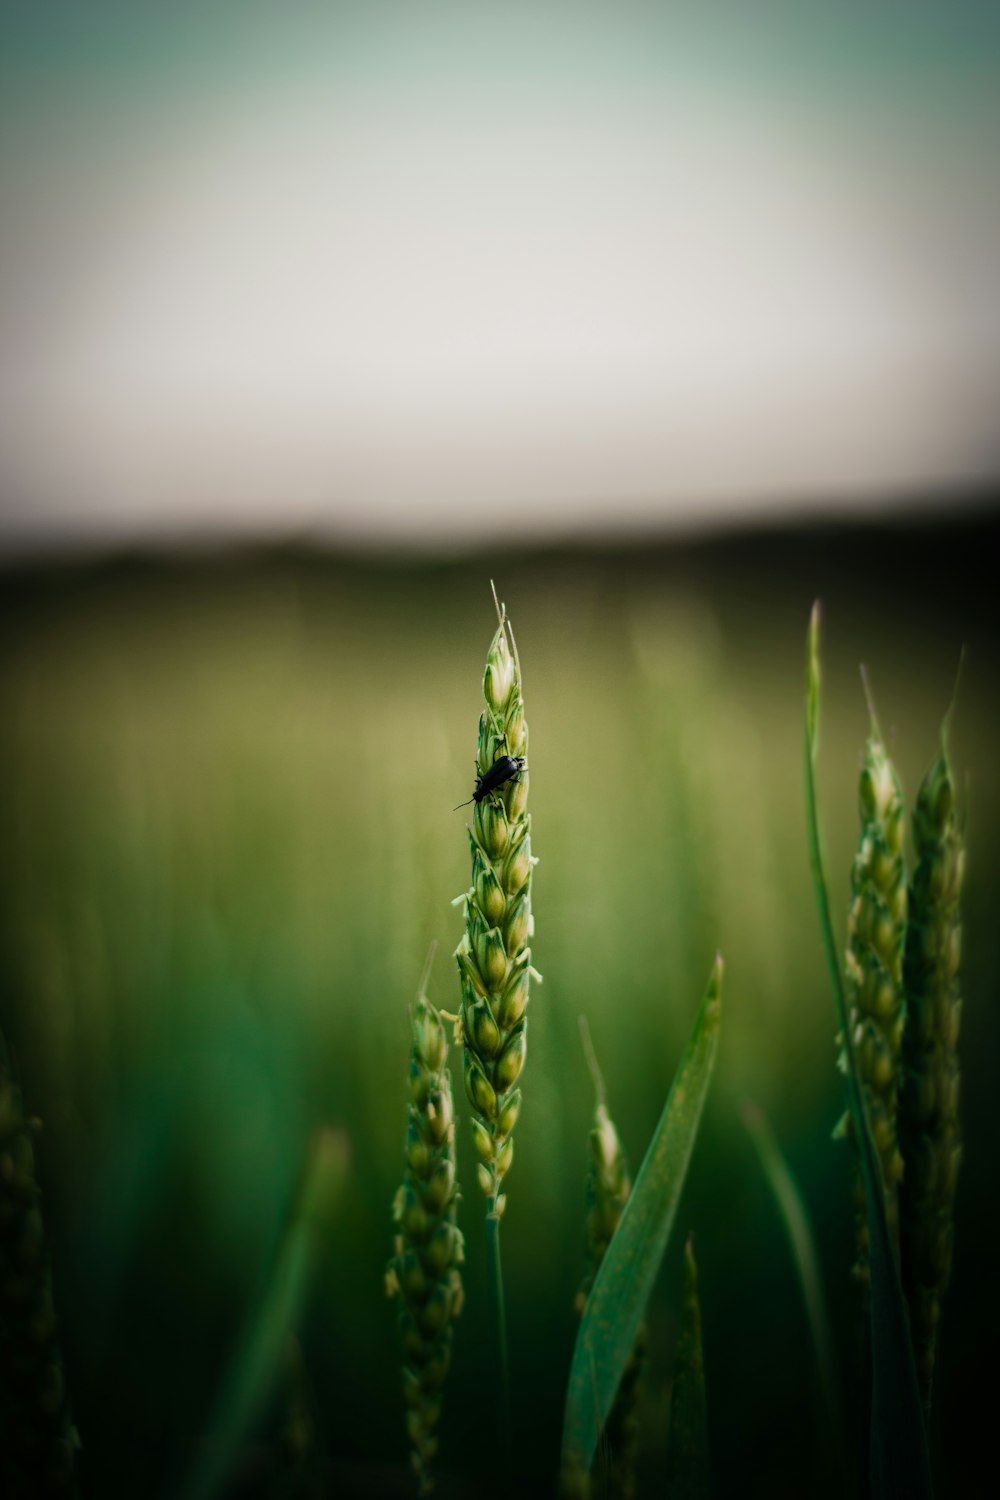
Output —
(225, 811)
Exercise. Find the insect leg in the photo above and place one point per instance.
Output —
(497, 724)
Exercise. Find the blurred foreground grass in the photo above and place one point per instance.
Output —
(225, 811)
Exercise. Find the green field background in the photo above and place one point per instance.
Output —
(225, 814)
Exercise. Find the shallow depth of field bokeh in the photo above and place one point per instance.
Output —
(225, 814)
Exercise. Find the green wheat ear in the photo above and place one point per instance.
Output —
(608, 1186)
(929, 1124)
(428, 1247)
(899, 1463)
(876, 930)
(494, 959)
(37, 1437)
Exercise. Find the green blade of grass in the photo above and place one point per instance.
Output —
(625, 1278)
(256, 1363)
(687, 1449)
(802, 1242)
(900, 1466)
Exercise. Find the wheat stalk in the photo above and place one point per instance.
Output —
(494, 960)
(37, 1437)
(876, 930)
(929, 1124)
(899, 1462)
(428, 1246)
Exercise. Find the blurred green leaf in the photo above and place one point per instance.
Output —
(256, 1363)
(802, 1242)
(623, 1283)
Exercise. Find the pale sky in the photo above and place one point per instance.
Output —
(433, 273)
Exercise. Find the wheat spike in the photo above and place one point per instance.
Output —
(929, 1124)
(428, 1247)
(876, 930)
(494, 959)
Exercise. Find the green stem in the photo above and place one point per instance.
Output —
(496, 1278)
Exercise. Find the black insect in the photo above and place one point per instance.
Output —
(504, 768)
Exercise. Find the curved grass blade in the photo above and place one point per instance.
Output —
(687, 1449)
(609, 1183)
(624, 1280)
(257, 1362)
(802, 1241)
(900, 1465)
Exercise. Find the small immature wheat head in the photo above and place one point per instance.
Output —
(929, 1124)
(608, 1186)
(494, 960)
(876, 930)
(428, 1247)
(37, 1437)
